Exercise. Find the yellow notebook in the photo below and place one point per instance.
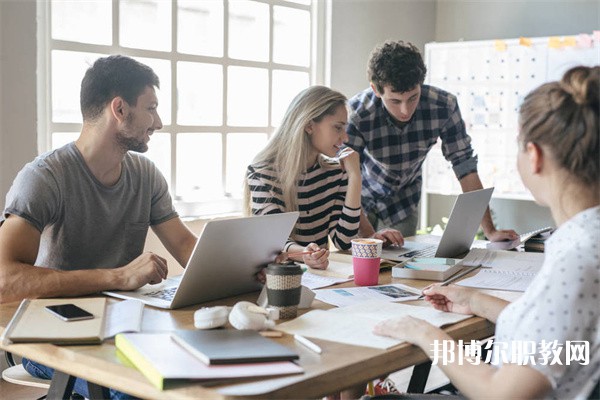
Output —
(33, 323)
(163, 362)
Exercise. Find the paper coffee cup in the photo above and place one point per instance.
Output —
(284, 288)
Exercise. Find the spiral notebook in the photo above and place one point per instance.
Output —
(502, 270)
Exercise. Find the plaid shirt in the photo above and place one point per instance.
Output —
(391, 157)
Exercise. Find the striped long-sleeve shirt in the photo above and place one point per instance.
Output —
(321, 195)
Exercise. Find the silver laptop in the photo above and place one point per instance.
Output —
(458, 236)
(224, 262)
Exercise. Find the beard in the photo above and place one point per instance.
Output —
(128, 141)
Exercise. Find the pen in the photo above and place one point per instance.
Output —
(304, 341)
(456, 277)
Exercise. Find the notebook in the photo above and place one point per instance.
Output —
(163, 362)
(223, 263)
(458, 236)
(503, 270)
(523, 238)
(33, 323)
(231, 346)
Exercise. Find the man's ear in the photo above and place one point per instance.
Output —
(118, 108)
(375, 90)
(535, 154)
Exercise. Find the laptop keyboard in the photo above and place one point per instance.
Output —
(426, 252)
(164, 294)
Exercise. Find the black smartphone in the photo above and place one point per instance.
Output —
(69, 312)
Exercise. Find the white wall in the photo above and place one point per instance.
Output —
(359, 25)
(18, 111)
(1, 132)
(486, 19)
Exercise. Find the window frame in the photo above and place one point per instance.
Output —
(318, 69)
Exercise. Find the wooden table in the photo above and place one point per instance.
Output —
(338, 367)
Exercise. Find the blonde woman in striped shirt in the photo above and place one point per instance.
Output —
(305, 167)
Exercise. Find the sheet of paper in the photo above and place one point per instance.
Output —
(499, 280)
(354, 324)
(123, 316)
(343, 297)
(336, 269)
(516, 261)
(314, 281)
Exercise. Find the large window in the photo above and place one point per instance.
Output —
(228, 70)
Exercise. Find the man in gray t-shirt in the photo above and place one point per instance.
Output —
(76, 218)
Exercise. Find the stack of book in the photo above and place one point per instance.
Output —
(536, 243)
(429, 268)
(204, 355)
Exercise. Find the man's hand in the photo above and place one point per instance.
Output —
(389, 237)
(147, 268)
(495, 235)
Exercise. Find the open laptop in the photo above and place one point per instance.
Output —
(458, 236)
(223, 263)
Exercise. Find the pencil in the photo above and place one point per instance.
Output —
(299, 253)
(456, 277)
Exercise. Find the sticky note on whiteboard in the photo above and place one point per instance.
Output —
(554, 42)
(584, 40)
(500, 45)
(523, 41)
(569, 41)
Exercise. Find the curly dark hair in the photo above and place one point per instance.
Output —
(397, 64)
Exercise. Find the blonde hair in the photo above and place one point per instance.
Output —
(288, 150)
(563, 117)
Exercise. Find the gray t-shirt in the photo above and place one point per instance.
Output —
(84, 224)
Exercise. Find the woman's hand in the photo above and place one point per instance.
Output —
(450, 298)
(350, 162)
(406, 328)
(318, 257)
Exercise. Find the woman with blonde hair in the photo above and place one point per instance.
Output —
(547, 342)
(305, 168)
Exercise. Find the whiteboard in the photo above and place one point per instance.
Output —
(490, 80)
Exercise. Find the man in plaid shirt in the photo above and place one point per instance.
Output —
(393, 125)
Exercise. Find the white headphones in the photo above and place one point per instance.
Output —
(211, 317)
(243, 315)
(246, 315)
